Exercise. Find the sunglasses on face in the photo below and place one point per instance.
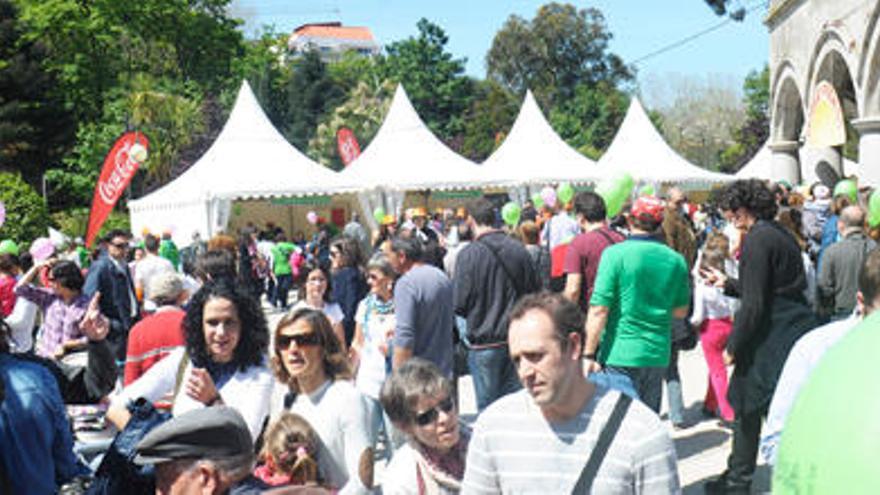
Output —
(302, 340)
(120, 245)
(446, 405)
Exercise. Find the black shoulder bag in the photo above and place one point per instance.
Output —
(609, 431)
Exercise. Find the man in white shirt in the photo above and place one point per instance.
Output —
(809, 351)
(148, 267)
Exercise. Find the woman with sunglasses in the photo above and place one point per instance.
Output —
(315, 294)
(63, 305)
(222, 363)
(349, 285)
(309, 359)
(373, 331)
(418, 399)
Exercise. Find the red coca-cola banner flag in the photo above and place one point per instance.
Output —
(120, 165)
(347, 145)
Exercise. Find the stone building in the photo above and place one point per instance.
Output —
(811, 41)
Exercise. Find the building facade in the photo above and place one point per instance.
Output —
(812, 41)
(331, 40)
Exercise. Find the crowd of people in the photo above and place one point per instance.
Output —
(569, 323)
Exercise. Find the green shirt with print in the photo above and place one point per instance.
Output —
(281, 258)
(640, 281)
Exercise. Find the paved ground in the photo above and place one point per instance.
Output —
(702, 448)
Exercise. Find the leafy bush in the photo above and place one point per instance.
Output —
(26, 214)
(73, 222)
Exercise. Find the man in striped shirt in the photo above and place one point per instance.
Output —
(539, 439)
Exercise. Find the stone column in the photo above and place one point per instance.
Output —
(869, 150)
(786, 162)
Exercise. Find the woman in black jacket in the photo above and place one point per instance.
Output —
(349, 285)
(773, 314)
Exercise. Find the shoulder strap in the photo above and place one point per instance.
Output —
(585, 481)
(606, 236)
(181, 369)
(497, 256)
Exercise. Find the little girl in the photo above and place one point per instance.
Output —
(289, 453)
(713, 313)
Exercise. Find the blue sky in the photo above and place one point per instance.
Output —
(639, 27)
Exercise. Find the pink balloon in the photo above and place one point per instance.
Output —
(42, 248)
(312, 217)
(2, 213)
(548, 194)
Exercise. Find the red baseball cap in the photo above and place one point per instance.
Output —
(650, 206)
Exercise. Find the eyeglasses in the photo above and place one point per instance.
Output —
(302, 340)
(424, 419)
(120, 245)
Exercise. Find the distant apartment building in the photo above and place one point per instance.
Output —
(331, 40)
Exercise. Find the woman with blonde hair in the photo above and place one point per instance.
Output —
(289, 453)
(308, 358)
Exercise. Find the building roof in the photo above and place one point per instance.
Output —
(333, 30)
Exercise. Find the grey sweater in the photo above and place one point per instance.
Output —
(839, 275)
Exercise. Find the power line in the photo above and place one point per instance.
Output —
(688, 39)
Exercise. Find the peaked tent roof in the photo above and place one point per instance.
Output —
(639, 149)
(761, 165)
(534, 153)
(406, 155)
(249, 159)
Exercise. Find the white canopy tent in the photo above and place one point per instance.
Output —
(640, 150)
(250, 159)
(533, 155)
(760, 166)
(406, 156)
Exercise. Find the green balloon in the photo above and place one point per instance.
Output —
(647, 190)
(537, 200)
(831, 441)
(379, 214)
(8, 246)
(615, 191)
(564, 193)
(848, 188)
(510, 213)
(874, 209)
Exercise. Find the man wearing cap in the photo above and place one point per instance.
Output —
(203, 451)
(157, 335)
(641, 284)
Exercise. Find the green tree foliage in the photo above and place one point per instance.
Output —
(433, 79)
(26, 214)
(34, 127)
(561, 48)
(311, 93)
(262, 65)
(363, 113)
(489, 120)
(754, 132)
(589, 120)
(75, 221)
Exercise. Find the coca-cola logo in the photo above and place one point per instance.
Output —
(124, 167)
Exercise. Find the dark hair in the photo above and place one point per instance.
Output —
(349, 250)
(566, 315)
(335, 361)
(215, 264)
(869, 278)
(645, 222)
(254, 339)
(68, 275)
(8, 262)
(416, 378)
(839, 202)
(591, 206)
(483, 211)
(308, 268)
(113, 234)
(151, 243)
(5, 335)
(410, 247)
(25, 261)
(753, 195)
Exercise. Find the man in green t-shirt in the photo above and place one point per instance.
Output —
(640, 286)
(282, 271)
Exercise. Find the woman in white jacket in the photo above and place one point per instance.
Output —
(223, 362)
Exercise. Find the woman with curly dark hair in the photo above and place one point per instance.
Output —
(223, 361)
(310, 360)
(773, 314)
